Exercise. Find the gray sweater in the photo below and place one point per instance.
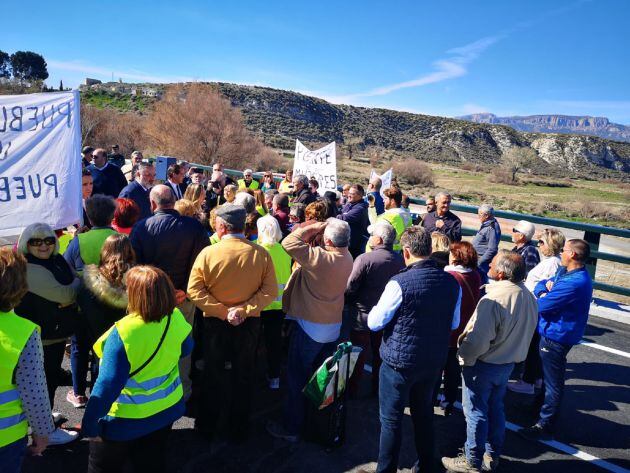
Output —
(486, 241)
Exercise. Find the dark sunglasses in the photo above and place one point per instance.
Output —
(50, 241)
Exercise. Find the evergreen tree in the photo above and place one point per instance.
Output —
(5, 65)
(61, 85)
(29, 66)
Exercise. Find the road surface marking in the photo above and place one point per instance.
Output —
(606, 349)
(563, 447)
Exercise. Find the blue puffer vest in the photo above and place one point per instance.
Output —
(417, 336)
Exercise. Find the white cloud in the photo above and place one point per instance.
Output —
(101, 72)
(470, 108)
(450, 67)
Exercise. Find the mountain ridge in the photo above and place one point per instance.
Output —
(557, 123)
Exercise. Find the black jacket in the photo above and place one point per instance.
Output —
(305, 196)
(55, 322)
(356, 214)
(170, 242)
(140, 196)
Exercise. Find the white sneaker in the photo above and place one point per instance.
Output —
(62, 436)
(58, 417)
(521, 387)
(274, 383)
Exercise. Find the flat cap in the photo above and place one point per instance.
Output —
(232, 214)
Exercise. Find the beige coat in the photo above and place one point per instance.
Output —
(315, 291)
(501, 327)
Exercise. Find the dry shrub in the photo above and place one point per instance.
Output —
(414, 172)
(502, 175)
(196, 123)
(586, 208)
(101, 128)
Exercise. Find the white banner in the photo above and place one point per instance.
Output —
(320, 164)
(386, 179)
(40, 161)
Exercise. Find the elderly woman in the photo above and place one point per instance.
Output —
(102, 300)
(522, 235)
(272, 316)
(126, 214)
(462, 259)
(138, 393)
(550, 243)
(23, 396)
(50, 303)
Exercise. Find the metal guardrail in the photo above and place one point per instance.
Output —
(592, 233)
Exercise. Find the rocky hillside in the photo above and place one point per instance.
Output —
(595, 126)
(280, 116)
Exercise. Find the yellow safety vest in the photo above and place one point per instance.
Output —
(91, 243)
(282, 264)
(14, 333)
(398, 222)
(64, 241)
(214, 239)
(286, 187)
(157, 386)
(252, 185)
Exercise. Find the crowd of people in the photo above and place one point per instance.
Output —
(171, 285)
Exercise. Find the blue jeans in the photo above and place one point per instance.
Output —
(397, 389)
(554, 363)
(11, 456)
(484, 386)
(305, 354)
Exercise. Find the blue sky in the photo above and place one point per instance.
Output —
(444, 58)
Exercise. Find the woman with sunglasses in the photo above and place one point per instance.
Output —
(50, 303)
(267, 182)
(550, 244)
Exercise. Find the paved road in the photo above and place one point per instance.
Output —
(595, 420)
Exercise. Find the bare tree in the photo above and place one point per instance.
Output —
(196, 123)
(516, 159)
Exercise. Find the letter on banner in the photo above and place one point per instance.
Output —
(320, 164)
(386, 179)
(40, 161)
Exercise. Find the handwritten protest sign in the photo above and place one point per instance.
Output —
(386, 179)
(320, 164)
(40, 161)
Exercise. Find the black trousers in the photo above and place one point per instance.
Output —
(145, 454)
(533, 365)
(229, 356)
(452, 377)
(272, 321)
(53, 357)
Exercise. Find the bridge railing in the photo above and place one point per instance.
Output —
(592, 233)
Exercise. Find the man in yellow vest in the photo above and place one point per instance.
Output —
(394, 214)
(86, 247)
(21, 371)
(248, 181)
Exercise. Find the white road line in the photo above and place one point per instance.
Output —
(563, 447)
(606, 349)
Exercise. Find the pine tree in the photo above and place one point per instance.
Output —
(61, 85)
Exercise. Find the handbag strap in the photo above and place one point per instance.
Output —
(144, 365)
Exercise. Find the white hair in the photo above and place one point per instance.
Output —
(36, 230)
(338, 232)
(268, 230)
(486, 209)
(442, 194)
(246, 200)
(385, 231)
(248, 171)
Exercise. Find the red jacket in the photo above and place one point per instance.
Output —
(470, 283)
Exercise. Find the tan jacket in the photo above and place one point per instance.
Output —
(232, 273)
(315, 291)
(501, 327)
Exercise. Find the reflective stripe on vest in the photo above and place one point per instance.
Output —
(91, 243)
(157, 386)
(14, 333)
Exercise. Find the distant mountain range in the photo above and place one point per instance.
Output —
(596, 126)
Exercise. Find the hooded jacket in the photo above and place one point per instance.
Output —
(100, 301)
